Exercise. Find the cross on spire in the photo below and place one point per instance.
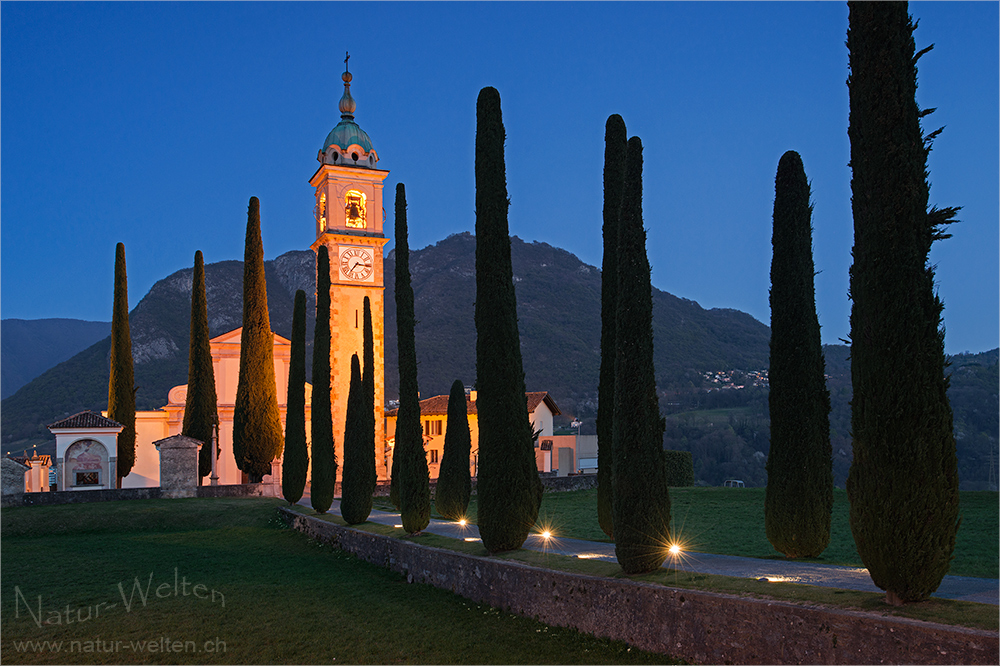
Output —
(346, 59)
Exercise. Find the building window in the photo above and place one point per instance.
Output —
(434, 456)
(432, 427)
(88, 478)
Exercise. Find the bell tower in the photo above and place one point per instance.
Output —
(349, 217)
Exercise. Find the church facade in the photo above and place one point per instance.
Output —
(348, 219)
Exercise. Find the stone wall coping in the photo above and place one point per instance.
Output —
(178, 442)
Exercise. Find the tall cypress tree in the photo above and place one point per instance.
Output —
(615, 140)
(121, 384)
(257, 436)
(201, 404)
(296, 460)
(903, 482)
(799, 498)
(368, 389)
(510, 491)
(414, 477)
(324, 456)
(355, 494)
(454, 486)
(641, 502)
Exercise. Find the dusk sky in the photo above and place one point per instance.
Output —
(153, 124)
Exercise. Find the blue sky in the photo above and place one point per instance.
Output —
(154, 123)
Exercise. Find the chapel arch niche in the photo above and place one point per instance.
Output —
(87, 464)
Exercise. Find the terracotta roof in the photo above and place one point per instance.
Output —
(438, 405)
(538, 396)
(85, 419)
(23, 459)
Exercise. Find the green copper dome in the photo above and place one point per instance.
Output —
(346, 133)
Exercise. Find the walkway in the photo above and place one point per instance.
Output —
(982, 590)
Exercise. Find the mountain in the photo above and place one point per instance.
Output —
(558, 300)
(30, 347)
(559, 319)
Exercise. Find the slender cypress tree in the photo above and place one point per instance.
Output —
(296, 463)
(257, 436)
(903, 482)
(414, 477)
(368, 389)
(615, 140)
(324, 456)
(355, 494)
(454, 486)
(510, 491)
(121, 384)
(201, 404)
(799, 498)
(641, 501)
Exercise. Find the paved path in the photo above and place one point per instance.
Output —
(982, 590)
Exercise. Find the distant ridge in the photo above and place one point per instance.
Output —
(30, 347)
(558, 310)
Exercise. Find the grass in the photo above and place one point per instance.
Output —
(279, 597)
(730, 521)
(944, 611)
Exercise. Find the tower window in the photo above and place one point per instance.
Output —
(434, 456)
(354, 210)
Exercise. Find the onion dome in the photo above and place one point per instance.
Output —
(347, 144)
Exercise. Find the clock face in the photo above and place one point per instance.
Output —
(356, 264)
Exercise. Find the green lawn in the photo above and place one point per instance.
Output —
(730, 521)
(267, 595)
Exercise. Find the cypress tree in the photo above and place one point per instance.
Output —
(257, 436)
(641, 501)
(324, 456)
(201, 404)
(414, 477)
(615, 140)
(454, 486)
(903, 481)
(355, 494)
(509, 489)
(296, 463)
(121, 384)
(368, 387)
(799, 498)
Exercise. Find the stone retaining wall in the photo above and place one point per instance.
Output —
(700, 627)
(114, 494)
(79, 496)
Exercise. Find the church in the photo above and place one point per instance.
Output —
(348, 218)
